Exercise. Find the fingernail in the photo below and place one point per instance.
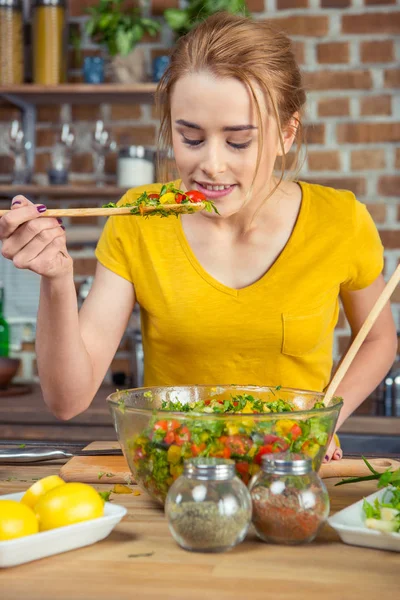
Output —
(62, 227)
(326, 457)
(41, 208)
(16, 202)
(59, 220)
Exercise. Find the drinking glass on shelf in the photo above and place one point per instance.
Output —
(18, 146)
(102, 144)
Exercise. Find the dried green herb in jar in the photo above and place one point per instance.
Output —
(202, 525)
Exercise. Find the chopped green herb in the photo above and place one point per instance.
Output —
(105, 495)
(22, 446)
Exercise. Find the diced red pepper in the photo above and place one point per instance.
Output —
(268, 449)
(295, 431)
(179, 198)
(243, 470)
(152, 196)
(182, 436)
(169, 438)
(197, 448)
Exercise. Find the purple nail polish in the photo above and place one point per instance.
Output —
(59, 220)
(326, 457)
(16, 202)
(62, 227)
(41, 208)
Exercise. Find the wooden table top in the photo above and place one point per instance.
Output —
(140, 560)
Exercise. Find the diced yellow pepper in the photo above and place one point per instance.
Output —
(232, 429)
(204, 437)
(174, 454)
(176, 470)
(283, 426)
(121, 489)
(311, 450)
(168, 198)
(252, 451)
(248, 408)
(253, 469)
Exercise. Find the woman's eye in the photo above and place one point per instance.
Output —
(240, 146)
(191, 142)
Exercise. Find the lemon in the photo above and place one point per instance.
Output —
(336, 440)
(68, 504)
(16, 520)
(34, 493)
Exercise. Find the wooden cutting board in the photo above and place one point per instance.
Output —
(114, 469)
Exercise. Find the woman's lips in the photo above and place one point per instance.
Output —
(214, 194)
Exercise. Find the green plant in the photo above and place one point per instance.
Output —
(118, 28)
(183, 20)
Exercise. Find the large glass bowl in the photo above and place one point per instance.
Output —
(156, 442)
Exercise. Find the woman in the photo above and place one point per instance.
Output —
(249, 296)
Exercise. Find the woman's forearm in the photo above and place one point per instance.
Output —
(369, 367)
(65, 369)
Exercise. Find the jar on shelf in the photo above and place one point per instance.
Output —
(11, 42)
(208, 508)
(49, 30)
(135, 166)
(290, 501)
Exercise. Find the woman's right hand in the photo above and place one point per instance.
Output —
(37, 244)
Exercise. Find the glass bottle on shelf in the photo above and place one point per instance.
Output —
(49, 27)
(11, 42)
(4, 327)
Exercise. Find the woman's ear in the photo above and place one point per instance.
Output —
(289, 134)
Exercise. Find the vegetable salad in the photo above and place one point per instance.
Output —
(158, 453)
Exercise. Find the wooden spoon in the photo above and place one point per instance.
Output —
(123, 211)
(361, 335)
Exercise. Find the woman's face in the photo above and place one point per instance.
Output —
(215, 139)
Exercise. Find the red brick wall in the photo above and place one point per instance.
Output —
(348, 53)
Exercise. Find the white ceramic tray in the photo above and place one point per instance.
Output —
(349, 524)
(32, 547)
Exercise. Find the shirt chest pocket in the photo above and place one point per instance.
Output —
(304, 332)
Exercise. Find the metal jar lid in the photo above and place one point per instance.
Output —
(286, 463)
(135, 152)
(14, 4)
(209, 469)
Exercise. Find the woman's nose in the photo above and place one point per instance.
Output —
(213, 162)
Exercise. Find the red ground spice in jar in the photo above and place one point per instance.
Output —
(290, 501)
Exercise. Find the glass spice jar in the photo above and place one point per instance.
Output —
(208, 508)
(49, 29)
(11, 42)
(290, 501)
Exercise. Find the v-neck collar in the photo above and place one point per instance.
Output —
(286, 250)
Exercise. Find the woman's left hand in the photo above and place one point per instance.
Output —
(334, 452)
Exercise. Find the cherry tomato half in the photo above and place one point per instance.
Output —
(151, 196)
(195, 196)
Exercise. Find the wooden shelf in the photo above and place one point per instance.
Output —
(62, 191)
(81, 93)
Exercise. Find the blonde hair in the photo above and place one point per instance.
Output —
(250, 51)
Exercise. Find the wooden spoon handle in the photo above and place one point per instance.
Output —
(361, 335)
(110, 212)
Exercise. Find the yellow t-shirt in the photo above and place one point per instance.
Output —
(276, 331)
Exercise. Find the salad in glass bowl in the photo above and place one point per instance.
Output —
(160, 427)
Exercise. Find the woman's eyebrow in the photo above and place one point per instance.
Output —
(231, 128)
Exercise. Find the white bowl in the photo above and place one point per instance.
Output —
(349, 523)
(32, 547)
